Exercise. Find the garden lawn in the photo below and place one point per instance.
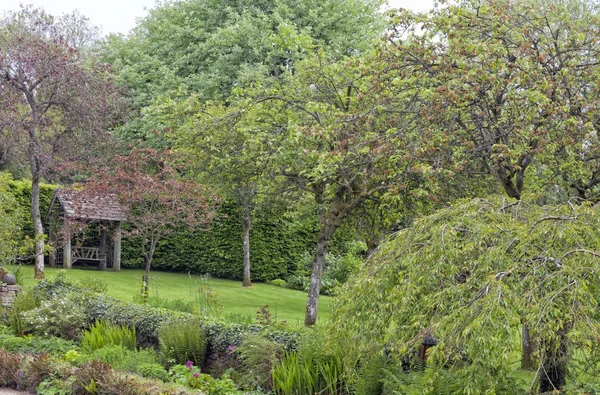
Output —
(284, 304)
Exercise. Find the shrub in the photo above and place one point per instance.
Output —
(123, 359)
(10, 365)
(56, 317)
(258, 356)
(98, 377)
(35, 344)
(153, 371)
(103, 333)
(279, 283)
(299, 283)
(93, 284)
(56, 287)
(147, 320)
(24, 301)
(37, 369)
(183, 340)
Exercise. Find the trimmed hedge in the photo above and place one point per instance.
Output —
(147, 320)
(279, 241)
(277, 244)
(21, 191)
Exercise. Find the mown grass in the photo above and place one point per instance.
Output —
(284, 304)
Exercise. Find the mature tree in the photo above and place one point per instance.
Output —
(208, 47)
(513, 84)
(54, 102)
(466, 275)
(232, 151)
(155, 198)
(335, 143)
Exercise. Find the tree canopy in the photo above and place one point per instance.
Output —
(467, 276)
(55, 102)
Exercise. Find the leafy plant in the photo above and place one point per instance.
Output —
(10, 365)
(123, 359)
(278, 282)
(183, 340)
(258, 356)
(190, 376)
(297, 374)
(208, 302)
(93, 284)
(103, 333)
(24, 301)
(62, 317)
(153, 370)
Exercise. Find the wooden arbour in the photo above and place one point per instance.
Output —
(71, 211)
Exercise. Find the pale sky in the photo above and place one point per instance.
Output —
(119, 16)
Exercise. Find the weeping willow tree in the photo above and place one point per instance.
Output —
(470, 276)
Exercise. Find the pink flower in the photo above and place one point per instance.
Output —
(189, 365)
(230, 349)
(196, 375)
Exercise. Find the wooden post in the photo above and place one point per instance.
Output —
(52, 242)
(67, 257)
(102, 249)
(117, 246)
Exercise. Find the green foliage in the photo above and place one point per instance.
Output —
(20, 190)
(10, 364)
(62, 317)
(468, 275)
(35, 344)
(56, 287)
(11, 217)
(25, 301)
(147, 320)
(103, 333)
(258, 356)
(124, 359)
(279, 283)
(313, 368)
(190, 376)
(305, 375)
(183, 340)
(278, 242)
(153, 371)
(93, 284)
(175, 305)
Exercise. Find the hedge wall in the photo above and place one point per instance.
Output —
(21, 191)
(277, 244)
(279, 240)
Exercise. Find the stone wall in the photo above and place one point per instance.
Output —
(8, 294)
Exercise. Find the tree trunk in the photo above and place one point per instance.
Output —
(527, 362)
(102, 248)
(554, 370)
(312, 303)
(246, 226)
(38, 227)
(116, 237)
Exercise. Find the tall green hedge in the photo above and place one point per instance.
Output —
(277, 244)
(21, 191)
(279, 240)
